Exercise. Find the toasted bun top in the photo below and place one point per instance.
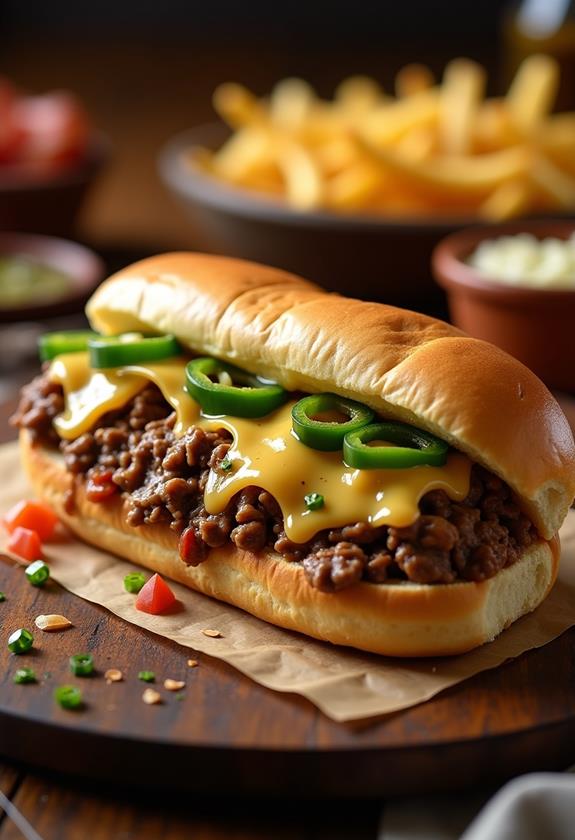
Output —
(405, 365)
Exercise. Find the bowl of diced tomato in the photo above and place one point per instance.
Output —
(49, 157)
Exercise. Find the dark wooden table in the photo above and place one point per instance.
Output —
(129, 204)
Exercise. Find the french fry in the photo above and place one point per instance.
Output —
(418, 144)
(237, 105)
(465, 176)
(493, 128)
(553, 183)
(303, 179)
(390, 122)
(461, 93)
(337, 154)
(248, 150)
(291, 103)
(354, 187)
(533, 91)
(412, 79)
(357, 95)
(510, 199)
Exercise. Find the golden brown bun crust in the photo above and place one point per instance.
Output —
(404, 364)
(396, 619)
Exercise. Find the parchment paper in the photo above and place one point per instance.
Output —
(345, 684)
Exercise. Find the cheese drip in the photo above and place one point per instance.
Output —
(264, 453)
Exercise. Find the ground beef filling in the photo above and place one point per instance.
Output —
(135, 452)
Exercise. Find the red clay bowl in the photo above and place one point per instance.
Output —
(49, 203)
(358, 255)
(84, 268)
(534, 325)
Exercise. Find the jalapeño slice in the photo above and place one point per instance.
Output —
(221, 388)
(321, 421)
(131, 349)
(412, 447)
(53, 344)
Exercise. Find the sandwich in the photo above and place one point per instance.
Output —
(362, 474)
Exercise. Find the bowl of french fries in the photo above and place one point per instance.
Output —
(369, 179)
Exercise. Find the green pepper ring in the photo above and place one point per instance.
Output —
(114, 351)
(414, 447)
(53, 344)
(254, 398)
(322, 434)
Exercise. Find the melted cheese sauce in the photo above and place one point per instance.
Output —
(264, 453)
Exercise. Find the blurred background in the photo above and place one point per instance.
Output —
(147, 70)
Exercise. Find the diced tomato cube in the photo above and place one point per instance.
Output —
(31, 515)
(25, 544)
(155, 596)
(100, 486)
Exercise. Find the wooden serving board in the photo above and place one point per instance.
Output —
(224, 733)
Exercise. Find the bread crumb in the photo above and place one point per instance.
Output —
(174, 685)
(113, 675)
(151, 697)
(50, 623)
(192, 663)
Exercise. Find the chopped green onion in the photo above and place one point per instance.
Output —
(225, 464)
(82, 664)
(23, 676)
(134, 582)
(2, 597)
(20, 641)
(68, 696)
(180, 695)
(314, 501)
(147, 676)
(38, 573)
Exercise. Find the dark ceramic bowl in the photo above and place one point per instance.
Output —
(534, 325)
(84, 268)
(361, 256)
(49, 203)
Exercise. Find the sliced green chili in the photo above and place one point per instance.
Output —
(314, 501)
(20, 641)
(131, 348)
(68, 696)
(54, 344)
(37, 573)
(134, 582)
(82, 664)
(236, 392)
(319, 421)
(24, 676)
(413, 448)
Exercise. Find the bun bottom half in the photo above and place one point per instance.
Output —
(394, 619)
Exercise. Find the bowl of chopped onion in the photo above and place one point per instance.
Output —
(514, 285)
